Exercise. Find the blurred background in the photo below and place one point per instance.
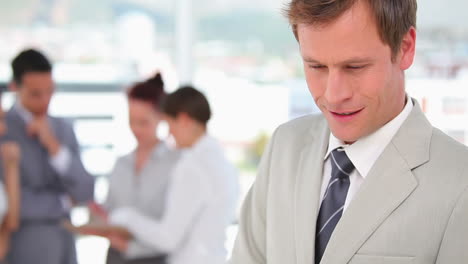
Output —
(241, 53)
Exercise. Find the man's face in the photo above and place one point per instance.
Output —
(35, 92)
(351, 75)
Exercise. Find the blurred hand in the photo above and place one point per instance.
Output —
(3, 127)
(85, 229)
(4, 243)
(40, 128)
(98, 212)
(10, 153)
(118, 242)
(92, 231)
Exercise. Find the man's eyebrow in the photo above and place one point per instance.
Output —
(348, 61)
(311, 60)
(357, 60)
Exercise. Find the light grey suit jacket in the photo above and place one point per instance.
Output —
(412, 207)
(40, 238)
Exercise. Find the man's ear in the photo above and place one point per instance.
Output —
(408, 49)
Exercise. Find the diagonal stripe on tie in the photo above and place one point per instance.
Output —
(333, 201)
(331, 218)
(338, 165)
(328, 188)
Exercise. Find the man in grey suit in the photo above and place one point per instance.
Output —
(369, 181)
(52, 175)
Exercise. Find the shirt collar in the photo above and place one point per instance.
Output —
(202, 142)
(23, 112)
(365, 152)
(160, 150)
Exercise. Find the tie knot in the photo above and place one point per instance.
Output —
(342, 167)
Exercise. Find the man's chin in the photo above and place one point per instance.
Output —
(345, 136)
(39, 113)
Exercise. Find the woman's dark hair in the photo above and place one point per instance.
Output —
(150, 91)
(190, 101)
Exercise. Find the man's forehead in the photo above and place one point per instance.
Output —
(339, 43)
(37, 74)
(37, 82)
(37, 77)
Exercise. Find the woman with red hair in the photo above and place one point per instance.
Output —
(139, 179)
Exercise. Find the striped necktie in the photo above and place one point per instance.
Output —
(333, 200)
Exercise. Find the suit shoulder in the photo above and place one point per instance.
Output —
(450, 155)
(11, 117)
(61, 121)
(441, 142)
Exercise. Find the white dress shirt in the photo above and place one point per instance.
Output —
(201, 202)
(61, 161)
(363, 153)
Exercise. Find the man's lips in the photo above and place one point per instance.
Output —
(346, 113)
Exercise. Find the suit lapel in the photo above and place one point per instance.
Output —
(307, 190)
(15, 119)
(387, 186)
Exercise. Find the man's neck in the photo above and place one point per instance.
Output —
(198, 132)
(25, 114)
(148, 146)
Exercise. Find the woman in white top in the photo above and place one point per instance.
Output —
(202, 193)
(139, 180)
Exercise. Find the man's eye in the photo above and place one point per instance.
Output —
(355, 67)
(317, 67)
